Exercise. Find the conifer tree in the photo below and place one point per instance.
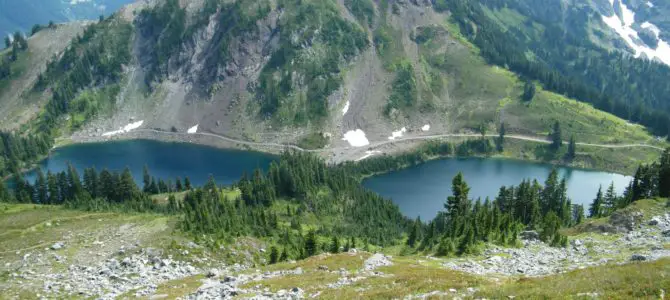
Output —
(274, 255)
(595, 211)
(310, 244)
(610, 201)
(556, 136)
(572, 148)
(664, 174)
(335, 245)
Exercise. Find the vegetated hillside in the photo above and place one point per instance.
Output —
(326, 74)
(22, 15)
(308, 229)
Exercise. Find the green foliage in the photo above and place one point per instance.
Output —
(556, 136)
(564, 61)
(93, 59)
(164, 25)
(335, 245)
(404, 91)
(572, 148)
(274, 255)
(528, 91)
(333, 40)
(314, 140)
(363, 10)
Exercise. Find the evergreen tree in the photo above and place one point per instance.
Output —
(572, 146)
(274, 255)
(467, 241)
(457, 204)
(178, 185)
(41, 195)
(610, 201)
(335, 245)
(414, 234)
(556, 136)
(187, 184)
(577, 213)
(352, 241)
(311, 246)
(596, 210)
(664, 174)
(501, 138)
(284, 255)
(528, 91)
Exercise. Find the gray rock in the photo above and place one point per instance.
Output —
(298, 271)
(323, 268)
(638, 257)
(653, 222)
(666, 233)
(57, 246)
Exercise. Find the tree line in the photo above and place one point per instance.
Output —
(629, 88)
(303, 206)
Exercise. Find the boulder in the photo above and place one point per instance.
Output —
(638, 257)
(57, 246)
(666, 233)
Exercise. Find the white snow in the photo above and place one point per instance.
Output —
(652, 27)
(125, 129)
(356, 138)
(651, 5)
(345, 109)
(193, 129)
(397, 134)
(624, 29)
(425, 127)
(368, 154)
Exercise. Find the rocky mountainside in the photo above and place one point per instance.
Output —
(21, 15)
(347, 76)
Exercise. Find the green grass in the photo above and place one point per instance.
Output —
(314, 140)
(629, 281)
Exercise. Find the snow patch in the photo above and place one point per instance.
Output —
(125, 129)
(368, 154)
(193, 129)
(651, 5)
(397, 134)
(356, 138)
(425, 127)
(346, 108)
(652, 27)
(628, 34)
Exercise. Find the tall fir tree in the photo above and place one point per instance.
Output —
(596, 209)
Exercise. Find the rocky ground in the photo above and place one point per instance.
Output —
(119, 260)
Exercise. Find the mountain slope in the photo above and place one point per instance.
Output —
(21, 15)
(339, 75)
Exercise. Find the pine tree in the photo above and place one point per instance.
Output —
(187, 184)
(457, 204)
(274, 255)
(178, 185)
(335, 245)
(556, 136)
(577, 213)
(310, 244)
(467, 242)
(284, 255)
(596, 211)
(352, 241)
(572, 148)
(528, 91)
(501, 138)
(41, 188)
(610, 201)
(413, 235)
(664, 174)
(146, 179)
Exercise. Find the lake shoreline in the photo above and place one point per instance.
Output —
(336, 156)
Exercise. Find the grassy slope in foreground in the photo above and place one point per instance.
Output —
(30, 229)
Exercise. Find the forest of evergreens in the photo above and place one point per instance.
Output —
(569, 64)
(301, 198)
